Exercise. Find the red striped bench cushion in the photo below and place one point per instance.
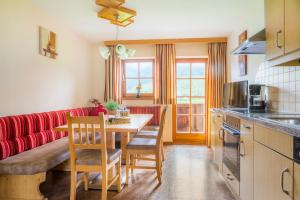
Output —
(24, 132)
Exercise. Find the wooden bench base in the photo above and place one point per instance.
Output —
(21, 187)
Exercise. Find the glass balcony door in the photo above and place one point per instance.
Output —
(190, 99)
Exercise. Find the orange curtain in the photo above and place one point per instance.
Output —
(165, 74)
(216, 74)
(113, 78)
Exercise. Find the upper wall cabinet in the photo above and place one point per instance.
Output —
(292, 25)
(274, 11)
(282, 32)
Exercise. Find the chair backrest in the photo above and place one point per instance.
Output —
(84, 132)
(161, 125)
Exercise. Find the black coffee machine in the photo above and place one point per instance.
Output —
(257, 97)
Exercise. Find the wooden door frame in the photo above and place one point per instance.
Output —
(188, 138)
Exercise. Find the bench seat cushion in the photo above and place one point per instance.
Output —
(39, 159)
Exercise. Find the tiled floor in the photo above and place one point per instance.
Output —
(188, 174)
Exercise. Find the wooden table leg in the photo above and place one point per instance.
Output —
(111, 140)
(111, 144)
(125, 138)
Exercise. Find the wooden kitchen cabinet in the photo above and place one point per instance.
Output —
(274, 15)
(274, 139)
(246, 160)
(212, 131)
(216, 124)
(273, 174)
(296, 181)
(292, 25)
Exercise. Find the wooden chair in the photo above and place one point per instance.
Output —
(88, 152)
(146, 146)
(152, 134)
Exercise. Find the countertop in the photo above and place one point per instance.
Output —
(262, 118)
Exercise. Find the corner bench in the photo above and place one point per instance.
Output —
(21, 173)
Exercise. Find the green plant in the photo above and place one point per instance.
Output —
(111, 106)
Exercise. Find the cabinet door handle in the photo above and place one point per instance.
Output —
(239, 148)
(231, 179)
(245, 126)
(277, 39)
(221, 133)
(286, 170)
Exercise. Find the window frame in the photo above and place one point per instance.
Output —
(143, 96)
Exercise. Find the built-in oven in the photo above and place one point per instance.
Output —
(297, 149)
(231, 141)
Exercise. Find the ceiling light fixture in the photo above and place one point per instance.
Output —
(121, 51)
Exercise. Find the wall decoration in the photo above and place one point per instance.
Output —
(243, 58)
(47, 43)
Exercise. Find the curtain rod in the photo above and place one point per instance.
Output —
(167, 41)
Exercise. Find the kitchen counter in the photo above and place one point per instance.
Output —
(263, 119)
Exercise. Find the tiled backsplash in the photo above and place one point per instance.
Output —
(284, 87)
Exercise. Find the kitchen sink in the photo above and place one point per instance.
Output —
(287, 119)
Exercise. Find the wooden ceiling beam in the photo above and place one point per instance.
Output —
(167, 41)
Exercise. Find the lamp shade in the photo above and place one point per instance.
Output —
(120, 49)
(104, 52)
(123, 56)
(130, 52)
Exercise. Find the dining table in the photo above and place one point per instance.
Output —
(136, 123)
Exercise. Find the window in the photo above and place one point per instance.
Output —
(138, 73)
(190, 100)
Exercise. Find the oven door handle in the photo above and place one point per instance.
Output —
(231, 132)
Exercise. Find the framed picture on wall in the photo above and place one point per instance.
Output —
(47, 43)
(243, 58)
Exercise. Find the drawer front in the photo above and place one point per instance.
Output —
(218, 118)
(275, 140)
(231, 180)
(247, 129)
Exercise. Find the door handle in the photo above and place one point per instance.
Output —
(286, 170)
(277, 39)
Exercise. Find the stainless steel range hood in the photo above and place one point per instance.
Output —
(256, 44)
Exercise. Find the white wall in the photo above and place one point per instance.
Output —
(144, 51)
(30, 82)
(98, 76)
(253, 24)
